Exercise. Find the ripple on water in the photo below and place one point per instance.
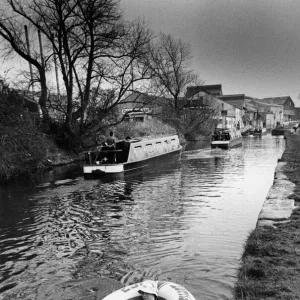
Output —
(185, 223)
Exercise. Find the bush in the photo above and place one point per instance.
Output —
(23, 146)
(150, 128)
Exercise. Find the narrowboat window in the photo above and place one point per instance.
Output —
(158, 146)
(167, 145)
(149, 148)
(173, 143)
(138, 150)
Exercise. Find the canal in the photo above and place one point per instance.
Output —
(185, 223)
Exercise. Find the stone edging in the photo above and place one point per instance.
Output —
(277, 207)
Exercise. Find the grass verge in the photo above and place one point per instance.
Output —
(270, 264)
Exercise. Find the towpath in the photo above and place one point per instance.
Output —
(270, 265)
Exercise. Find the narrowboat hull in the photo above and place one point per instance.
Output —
(258, 131)
(226, 138)
(245, 132)
(137, 160)
(95, 171)
(227, 144)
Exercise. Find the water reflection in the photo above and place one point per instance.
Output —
(186, 223)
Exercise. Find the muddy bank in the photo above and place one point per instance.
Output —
(270, 264)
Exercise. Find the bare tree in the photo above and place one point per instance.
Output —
(199, 114)
(124, 73)
(79, 32)
(93, 45)
(168, 59)
(12, 32)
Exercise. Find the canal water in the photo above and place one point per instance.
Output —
(186, 223)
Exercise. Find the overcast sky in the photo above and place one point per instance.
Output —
(251, 47)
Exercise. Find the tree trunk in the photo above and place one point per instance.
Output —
(43, 100)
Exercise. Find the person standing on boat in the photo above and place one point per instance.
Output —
(111, 140)
(296, 127)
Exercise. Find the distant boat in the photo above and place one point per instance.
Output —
(286, 127)
(130, 155)
(259, 131)
(226, 138)
(245, 131)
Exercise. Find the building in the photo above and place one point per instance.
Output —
(271, 114)
(298, 113)
(140, 107)
(256, 112)
(226, 115)
(245, 105)
(230, 112)
(213, 90)
(289, 112)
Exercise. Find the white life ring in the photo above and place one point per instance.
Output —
(166, 291)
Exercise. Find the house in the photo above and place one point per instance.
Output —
(244, 104)
(298, 113)
(230, 113)
(227, 116)
(271, 114)
(255, 112)
(236, 100)
(213, 90)
(140, 107)
(289, 111)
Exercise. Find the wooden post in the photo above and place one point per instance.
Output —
(41, 48)
(30, 66)
(56, 74)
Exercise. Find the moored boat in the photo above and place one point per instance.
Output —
(259, 130)
(245, 131)
(226, 138)
(130, 155)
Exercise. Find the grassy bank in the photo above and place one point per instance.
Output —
(25, 149)
(270, 264)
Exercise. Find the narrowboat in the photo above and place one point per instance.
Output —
(259, 130)
(245, 131)
(130, 155)
(226, 138)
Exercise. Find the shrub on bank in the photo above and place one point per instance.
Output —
(26, 149)
(23, 146)
(23, 149)
(149, 129)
